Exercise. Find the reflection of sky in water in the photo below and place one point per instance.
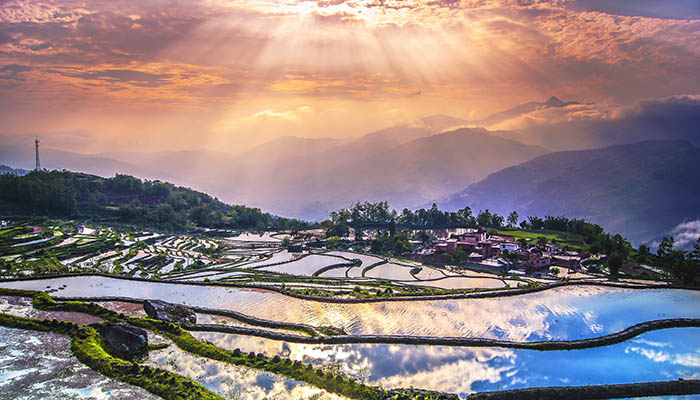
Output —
(562, 313)
(659, 355)
(234, 382)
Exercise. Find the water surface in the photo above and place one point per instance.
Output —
(572, 312)
(659, 355)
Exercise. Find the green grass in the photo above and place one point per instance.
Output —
(563, 238)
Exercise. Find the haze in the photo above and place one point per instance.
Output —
(302, 107)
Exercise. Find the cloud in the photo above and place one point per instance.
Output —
(679, 9)
(682, 359)
(584, 117)
(686, 234)
(11, 70)
(461, 56)
(124, 75)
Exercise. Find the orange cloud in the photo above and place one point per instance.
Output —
(206, 58)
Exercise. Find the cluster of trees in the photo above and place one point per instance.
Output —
(131, 200)
(615, 247)
(561, 223)
(41, 192)
(682, 265)
(379, 215)
(368, 214)
(391, 244)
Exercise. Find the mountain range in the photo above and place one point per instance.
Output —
(432, 158)
(639, 190)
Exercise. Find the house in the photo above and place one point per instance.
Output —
(451, 244)
(440, 247)
(480, 235)
(570, 262)
(295, 248)
(540, 259)
(476, 257)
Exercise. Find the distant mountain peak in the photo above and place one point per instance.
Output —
(522, 109)
(554, 101)
(439, 122)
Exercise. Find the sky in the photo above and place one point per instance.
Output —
(114, 75)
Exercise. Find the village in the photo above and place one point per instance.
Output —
(507, 255)
(483, 250)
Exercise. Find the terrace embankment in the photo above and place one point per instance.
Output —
(628, 390)
(472, 294)
(319, 335)
(606, 340)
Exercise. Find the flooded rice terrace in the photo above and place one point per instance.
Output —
(564, 313)
(465, 370)
(571, 312)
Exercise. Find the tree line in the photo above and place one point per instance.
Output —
(130, 200)
(368, 215)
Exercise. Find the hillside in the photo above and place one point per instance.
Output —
(4, 169)
(407, 165)
(123, 198)
(407, 175)
(641, 190)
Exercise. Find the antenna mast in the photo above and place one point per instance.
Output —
(36, 146)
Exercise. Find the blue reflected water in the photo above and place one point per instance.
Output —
(659, 355)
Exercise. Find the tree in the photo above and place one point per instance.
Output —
(339, 229)
(376, 246)
(522, 242)
(466, 217)
(536, 223)
(643, 255)
(666, 246)
(513, 219)
(332, 242)
(497, 220)
(484, 218)
(460, 256)
(401, 245)
(614, 263)
(424, 237)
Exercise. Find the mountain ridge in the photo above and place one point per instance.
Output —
(640, 190)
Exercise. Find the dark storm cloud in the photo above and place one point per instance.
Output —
(138, 78)
(677, 9)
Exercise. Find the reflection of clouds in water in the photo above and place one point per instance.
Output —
(662, 352)
(517, 318)
(452, 369)
(574, 312)
(486, 365)
(590, 319)
(660, 356)
(233, 381)
(651, 343)
(669, 353)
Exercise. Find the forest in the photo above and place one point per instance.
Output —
(127, 199)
